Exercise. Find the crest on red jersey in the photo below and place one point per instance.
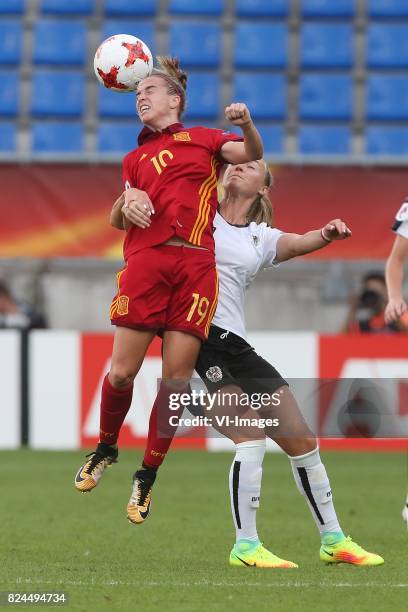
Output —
(123, 305)
(184, 136)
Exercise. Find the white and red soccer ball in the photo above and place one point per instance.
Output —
(121, 61)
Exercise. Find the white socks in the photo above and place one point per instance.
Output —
(245, 487)
(313, 483)
(311, 479)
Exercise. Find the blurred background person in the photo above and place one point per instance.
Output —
(17, 314)
(367, 309)
(396, 309)
(326, 84)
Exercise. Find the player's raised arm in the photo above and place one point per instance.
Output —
(293, 245)
(394, 274)
(252, 147)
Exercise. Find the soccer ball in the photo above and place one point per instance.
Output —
(121, 61)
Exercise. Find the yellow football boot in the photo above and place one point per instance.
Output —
(138, 508)
(90, 473)
(347, 551)
(246, 555)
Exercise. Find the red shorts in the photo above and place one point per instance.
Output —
(167, 287)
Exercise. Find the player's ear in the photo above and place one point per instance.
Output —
(174, 101)
(262, 190)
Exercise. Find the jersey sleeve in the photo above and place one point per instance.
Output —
(400, 225)
(219, 138)
(128, 174)
(271, 238)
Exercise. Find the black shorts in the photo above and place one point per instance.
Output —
(227, 359)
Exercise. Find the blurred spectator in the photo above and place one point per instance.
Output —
(367, 309)
(15, 314)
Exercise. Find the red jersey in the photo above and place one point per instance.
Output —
(178, 168)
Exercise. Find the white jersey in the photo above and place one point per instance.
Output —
(241, 251)
(400, 225)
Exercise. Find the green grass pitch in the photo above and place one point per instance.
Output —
(56, 539)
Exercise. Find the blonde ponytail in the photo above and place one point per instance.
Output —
(261, 209)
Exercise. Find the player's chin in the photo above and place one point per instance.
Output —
(146, 116)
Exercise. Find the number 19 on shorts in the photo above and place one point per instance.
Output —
(199, 307)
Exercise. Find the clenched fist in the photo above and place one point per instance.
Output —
(238, 114)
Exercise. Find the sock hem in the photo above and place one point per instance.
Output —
(146, 466)
(114, 391)
(301, 457)
(251, 443)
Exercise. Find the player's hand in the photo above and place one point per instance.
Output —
(138, 207)
(395, 309)
(238, 114)
(336, 230)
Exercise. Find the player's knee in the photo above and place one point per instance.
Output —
(121, 376)
(298, 446)
(302, 446)
(175, 376)
(307, 445)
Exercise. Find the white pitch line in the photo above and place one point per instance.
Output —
(208, 583)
